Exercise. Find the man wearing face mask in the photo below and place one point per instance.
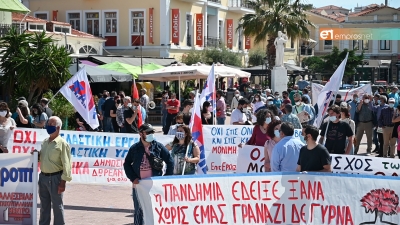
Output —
(337, 133)
(277, 100)
(186, 112)
(235, 100)
(301, 107)
(131, 117)
(221, 108)
(366, 119)
(178, 122)
(173, 106)
(238, 116)
(285, 101)
(55, 166)
(313, 157)
(137, 165)
(385, 121)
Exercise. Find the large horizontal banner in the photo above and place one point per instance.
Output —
(252, 161)
(97, 157)
(346, 94)
(18, 188)
(293, 198)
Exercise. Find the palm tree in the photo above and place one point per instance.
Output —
(272, 16)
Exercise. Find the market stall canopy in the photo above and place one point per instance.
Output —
(98, 75)
(124, 68)
(175, 72)
(13, 6)
(225, 71)
(152, 66)
(134, 61)
(292, 67)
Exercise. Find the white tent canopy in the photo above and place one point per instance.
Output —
(224, 71)
(172, 73)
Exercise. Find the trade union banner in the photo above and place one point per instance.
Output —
(96, 157)
(18, 188)
(290, 198)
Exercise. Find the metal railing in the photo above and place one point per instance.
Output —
(4, 28)
(212, 41)
(215, 1)
(306, 51)
(239, 4)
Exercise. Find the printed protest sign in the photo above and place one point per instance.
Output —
(18, 189)
(96, 157)
(292, 198)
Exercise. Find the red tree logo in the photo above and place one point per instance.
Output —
(381, 201)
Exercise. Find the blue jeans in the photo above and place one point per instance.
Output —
(221, 121)
(164, 117)
(138, 213)
(375, 139)
(107, 124)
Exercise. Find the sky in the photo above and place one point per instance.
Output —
(350, 4)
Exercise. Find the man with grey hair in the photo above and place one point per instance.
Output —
(120, 113)
(366, 120)
(290, 117)
(55, 167)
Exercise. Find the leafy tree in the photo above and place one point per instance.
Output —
(272, 16)
(63, 109)
(256, 57)
(213, 55)
(192, 57)
(33, 62)
(333, 60)
(314, 63)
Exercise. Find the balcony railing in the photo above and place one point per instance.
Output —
(306, 51)
(213, 42)
(239, 4)
(215, 1)
(4, 28)
(189, 40)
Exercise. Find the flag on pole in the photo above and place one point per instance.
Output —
(209, 92)
(135, 95)
(331, 88)
(77, 91)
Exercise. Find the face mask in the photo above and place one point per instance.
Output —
(180, 135)
(149, 137)
(332, 118)
(3, 113)
(237, 95)
(276, 96)
(118, 101)
(366, 101)
(391, 105)
(270, 102)
(191, 110)
(134, 107)
(129, 105)
(277, 133)
(298, 103)
(51, 129)
(356, 99)
(256, 99)
(379, 102)
(173, 99)
(244, 110)
(210, 109)
(268, 120)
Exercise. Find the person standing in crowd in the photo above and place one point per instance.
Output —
(107, 108)
(164, 110)
(378, 139)
(235, 100)
(120, 113)
(55, 166)
(207, 117)
(305, 101)
(305, 94)
(339, 136)
(131, 117)
(294, 91)
(277, 100)
(353, 107)
(396, 121)
(221, 108)
(243, 88)
(259, 135)
(274, 133)
(291, 117)
(286, 152)
(144, 102)
(257, 103)
(82, 124)
(377, 100)
(113, 114)
(238, 116)
(394, 95)
(39, 116)
(385, 121)
(345, 117)
(338, 100)
(172, 106)
(23, 118)
(285, 101)
(179, 121)
(192, 94)
(100, 110)
(300, 107)
(313, 157)
(263, 97)
(187, 115)
(7, 125)
(182, 142)
(137, 165)
(44, 103)
(366, 123)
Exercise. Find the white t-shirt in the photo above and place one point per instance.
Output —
(238, 116)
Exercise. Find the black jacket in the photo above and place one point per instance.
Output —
(135, 155)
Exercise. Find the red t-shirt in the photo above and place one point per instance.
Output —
(173, 103)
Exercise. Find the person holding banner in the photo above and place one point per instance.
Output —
(182, 143)
(273, 133)
(145, 159)
(7, 125)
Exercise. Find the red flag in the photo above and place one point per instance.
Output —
(135, 92)
(135, 95)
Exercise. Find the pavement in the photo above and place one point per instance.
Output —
(88, 204)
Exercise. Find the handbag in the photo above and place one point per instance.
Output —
(155, 162)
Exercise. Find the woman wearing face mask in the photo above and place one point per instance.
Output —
(113, 113)
(257, 103)
(182, 143)
(207, 117)
(235, 100)
(7, 124)
(259, 135)
(39, 116)
(273, 132)
(23, 118)
(345, 117)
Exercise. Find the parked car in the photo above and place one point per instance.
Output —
(381, 82)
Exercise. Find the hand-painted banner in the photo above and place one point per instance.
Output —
(18, 188)
(175, 26)
(346, 94)
(252, 161)
(97, 157)
(290, 198)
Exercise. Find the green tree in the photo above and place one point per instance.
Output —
(192, 57)
(213, 55)
(256, 57)
(333, 60)
(33, 62)
(314, 63)
(272, 16)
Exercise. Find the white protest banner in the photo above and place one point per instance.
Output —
(221, 146)
(96, 157)
(18, 188)
(279, 198)
(346, 94)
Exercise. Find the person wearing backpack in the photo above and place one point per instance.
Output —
(183, 142)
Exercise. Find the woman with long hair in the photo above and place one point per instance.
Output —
(273, 133)
(39, 116)
(7, 124)
(207, 117)
(183, 142)
(259, 135)
(23, 118)
(257, 103)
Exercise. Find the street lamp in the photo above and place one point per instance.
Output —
(266, 69)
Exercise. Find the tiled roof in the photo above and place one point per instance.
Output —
(331, 17)
(60, 23)
(331, 7)
(83, 34)
(19, 17)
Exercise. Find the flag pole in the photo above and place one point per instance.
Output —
(196, 99)
(327, 125)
